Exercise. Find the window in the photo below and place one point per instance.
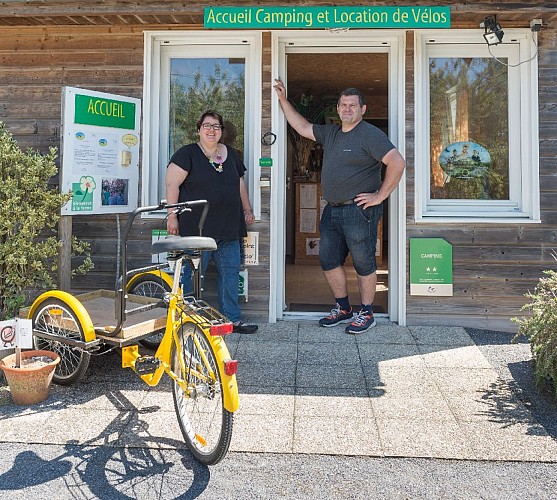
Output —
(476, 127)
(186, 74)
(199, 84)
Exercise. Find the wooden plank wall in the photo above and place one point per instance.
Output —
(35, 64)
(493, 265)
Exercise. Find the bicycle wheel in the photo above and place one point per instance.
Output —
(55, 317)
(205, 424)
(149, 285)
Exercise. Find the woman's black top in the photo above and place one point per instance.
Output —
(225, 220)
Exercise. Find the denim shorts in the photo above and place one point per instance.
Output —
(349, 228)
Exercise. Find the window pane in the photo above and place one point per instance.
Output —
(197, 85)
(469, 129)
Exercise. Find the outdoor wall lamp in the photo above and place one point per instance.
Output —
(493, 33)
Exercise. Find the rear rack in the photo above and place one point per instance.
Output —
(204, 314)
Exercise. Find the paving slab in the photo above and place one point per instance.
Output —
(410, 437)
(518, 441)
(141, 429)
(453, 357)
(458, 380)
(308, 331)
(272, 375)
(342, 377)
(477, 409)
(263, 434)
(441, 335)
(417, 382)
(423, 408)
(329, 354)
(387, 334)
(391, 355)
(332, 436)
(265, 351)
(333, 405)
(267, 405)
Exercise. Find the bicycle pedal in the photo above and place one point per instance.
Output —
(145, 365)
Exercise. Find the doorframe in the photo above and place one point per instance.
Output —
(393, 42)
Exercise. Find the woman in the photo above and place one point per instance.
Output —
(210, 170)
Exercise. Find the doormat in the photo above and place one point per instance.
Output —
(318, 308)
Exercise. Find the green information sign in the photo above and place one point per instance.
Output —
(265, 162)
(431, 267)
(327, 17)
(91, 110)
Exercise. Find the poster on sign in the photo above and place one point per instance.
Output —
(16, 333)
(157, 235)
(100, 152)
(251, 249)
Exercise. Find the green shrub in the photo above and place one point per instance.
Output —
(540, 327)
(29, 212)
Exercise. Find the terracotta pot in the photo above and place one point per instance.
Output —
(29, 384)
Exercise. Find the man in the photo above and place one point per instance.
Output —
(351, 182)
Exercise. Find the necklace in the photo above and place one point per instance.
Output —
(218, 156)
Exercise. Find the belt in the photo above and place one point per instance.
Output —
(342, 203)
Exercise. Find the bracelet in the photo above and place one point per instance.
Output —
(248, 210)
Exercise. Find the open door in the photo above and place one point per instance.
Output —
(315, 69)
(314, 82)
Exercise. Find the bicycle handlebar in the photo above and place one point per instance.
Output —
(182, 206)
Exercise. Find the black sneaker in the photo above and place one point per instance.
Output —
(240, 327)
(336, 317)
(363, 321)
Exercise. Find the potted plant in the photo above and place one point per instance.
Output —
(540, 327)
(29, 212)
(29, 374)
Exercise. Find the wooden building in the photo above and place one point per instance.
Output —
(437, 90)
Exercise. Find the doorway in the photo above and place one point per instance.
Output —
(315, 68)
(314, 83)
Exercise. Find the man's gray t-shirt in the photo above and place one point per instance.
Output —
(351, 160)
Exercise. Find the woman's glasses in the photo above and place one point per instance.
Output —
(214, 126)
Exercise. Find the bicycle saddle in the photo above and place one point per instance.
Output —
(183, 244)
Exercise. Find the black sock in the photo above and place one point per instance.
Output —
(367, 308)
(343, 303)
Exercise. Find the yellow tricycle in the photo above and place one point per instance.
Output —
(190, 346)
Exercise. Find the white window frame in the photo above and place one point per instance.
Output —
(155, 101)
(524, 203)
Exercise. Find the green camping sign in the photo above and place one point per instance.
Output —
(431, 267)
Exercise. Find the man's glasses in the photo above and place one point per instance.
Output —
(214, 126)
